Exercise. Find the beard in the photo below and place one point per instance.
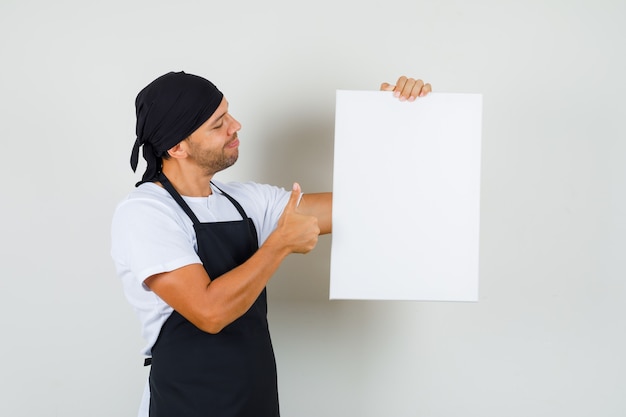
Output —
(213, 161)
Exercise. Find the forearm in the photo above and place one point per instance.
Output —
(213, 304)
(242, 285)
(230, 296)
(319, 205)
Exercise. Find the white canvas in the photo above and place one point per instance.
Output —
(406, 197)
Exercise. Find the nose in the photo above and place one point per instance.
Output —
(233, 124)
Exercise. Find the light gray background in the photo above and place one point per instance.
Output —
(547, 337)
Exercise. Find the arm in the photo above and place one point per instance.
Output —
(320, 205)
(213, 304)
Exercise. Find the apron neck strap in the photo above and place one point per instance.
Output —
(177, 197)
(183, 204)
(232, 200)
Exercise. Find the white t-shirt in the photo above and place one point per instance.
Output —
(151, 234)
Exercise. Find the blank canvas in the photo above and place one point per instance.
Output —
(406, 197)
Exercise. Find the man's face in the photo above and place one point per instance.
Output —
(214, 146)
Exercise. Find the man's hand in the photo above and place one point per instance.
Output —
(297, 231)
(407, 88)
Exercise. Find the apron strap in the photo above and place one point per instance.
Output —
(170, 188)
(232, 200)
(251, 228)
(181, 202)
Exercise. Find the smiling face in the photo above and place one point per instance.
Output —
(214, 146)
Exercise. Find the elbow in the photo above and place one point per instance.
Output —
(211, 324)
(213, 329)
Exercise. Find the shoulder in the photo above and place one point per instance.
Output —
(149, 229)
(145, 208)
(147, 191)
(145, 198)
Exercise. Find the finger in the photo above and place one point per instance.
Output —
(296, 192)
(426, 89)
(400, 84)
(405, 93)
(415, 90)
(387, 87)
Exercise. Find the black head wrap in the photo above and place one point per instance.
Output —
(170, 109)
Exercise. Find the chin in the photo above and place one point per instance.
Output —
(227, 163)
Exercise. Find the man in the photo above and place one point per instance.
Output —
(195, 255)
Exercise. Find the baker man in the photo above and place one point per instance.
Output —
(194, 255)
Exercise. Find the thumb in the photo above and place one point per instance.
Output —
(294, 198)
(387, 87)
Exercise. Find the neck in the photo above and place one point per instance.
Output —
(189, 183)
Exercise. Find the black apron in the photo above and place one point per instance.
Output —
(228, 374)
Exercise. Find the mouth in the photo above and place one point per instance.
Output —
(233, 143)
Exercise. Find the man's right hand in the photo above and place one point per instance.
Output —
(296, 231)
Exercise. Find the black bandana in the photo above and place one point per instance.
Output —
(170, 109)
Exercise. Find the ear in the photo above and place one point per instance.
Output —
(177, 151)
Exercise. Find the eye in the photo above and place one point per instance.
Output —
(221, 120)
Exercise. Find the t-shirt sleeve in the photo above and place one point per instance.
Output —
(149, 238)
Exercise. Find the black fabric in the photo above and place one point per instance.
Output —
(169, 109)
(228, 374)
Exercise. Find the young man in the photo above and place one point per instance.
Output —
(195, 255)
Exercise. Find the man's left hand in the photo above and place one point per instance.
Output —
(407, 89)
